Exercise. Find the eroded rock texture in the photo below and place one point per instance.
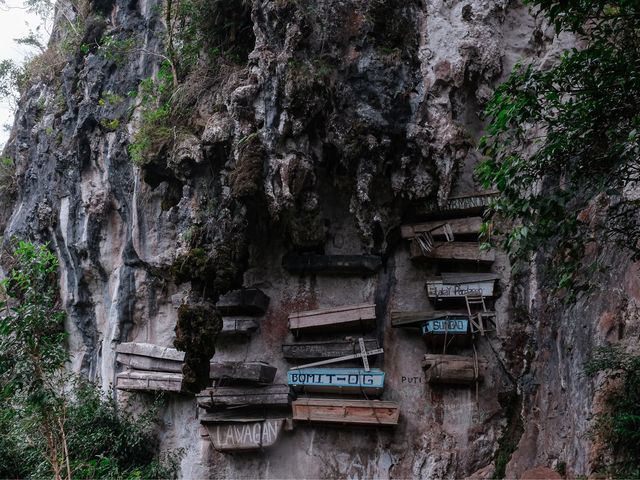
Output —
(343, 116)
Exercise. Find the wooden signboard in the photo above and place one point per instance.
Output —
(332, 264)
(337, 380)
(459, 251)
(148, 381)
(247, 301)
(238, 326)
(242, 372)
(460, 226)
(302, 352)
(464, 205)
(354, 317)
(241, 436)
(452, 286)
(346, 412)
(230, 397)
(447, 325)
(453, 369)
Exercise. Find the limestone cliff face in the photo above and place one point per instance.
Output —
(343, 117)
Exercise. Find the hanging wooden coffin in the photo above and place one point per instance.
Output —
(332, 264)
(247, 301)
(337, 380)
(148, 381)
(458, 251)
(230, 397)
(239, 436)
(453, 369)
(458, 285)
(302, 352)
(457, 226)
(464, 205)
(242, 372)
(348, 317)
(146, 356)
(374, 413)
(238, 326)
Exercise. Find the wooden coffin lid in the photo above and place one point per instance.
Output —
(150, 350)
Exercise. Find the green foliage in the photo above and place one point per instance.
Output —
(158, 117)
(115, 49)
(53, 425)
(213, 27)
(619, 425)
(562, 136)
(8, 182)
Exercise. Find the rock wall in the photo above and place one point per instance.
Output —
(345, 115)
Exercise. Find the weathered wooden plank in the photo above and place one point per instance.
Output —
(453, 369)
(468, 277)
(337, 380)
(150, 350)
(461, 251)
(149, 381)
(245, 436)
(302, 352)
(225, 397)
(247, 301)
(238, 326)
(139, 362)
(242, 372)
(349, 412)
(471, 204)
(361, 316)
(332, 264)
(460, 226)
(437, 289)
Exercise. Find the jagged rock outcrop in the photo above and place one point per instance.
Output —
(343, 115)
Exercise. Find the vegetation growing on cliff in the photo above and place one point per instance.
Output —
(565, 138)
(53, 424)
(619, 424)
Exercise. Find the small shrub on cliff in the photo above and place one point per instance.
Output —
(619, 425)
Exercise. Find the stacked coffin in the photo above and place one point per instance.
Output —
(460, 300)
(323, 377)
(244, 410)
(241, 311)
(149, 368)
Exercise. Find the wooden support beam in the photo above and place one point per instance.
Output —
(332, 264)
(459, 226)
(228, 373)
(460, 251)
(247, 301)
(373, 413)
(353, 317)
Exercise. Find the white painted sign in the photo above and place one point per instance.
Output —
(244, 436)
